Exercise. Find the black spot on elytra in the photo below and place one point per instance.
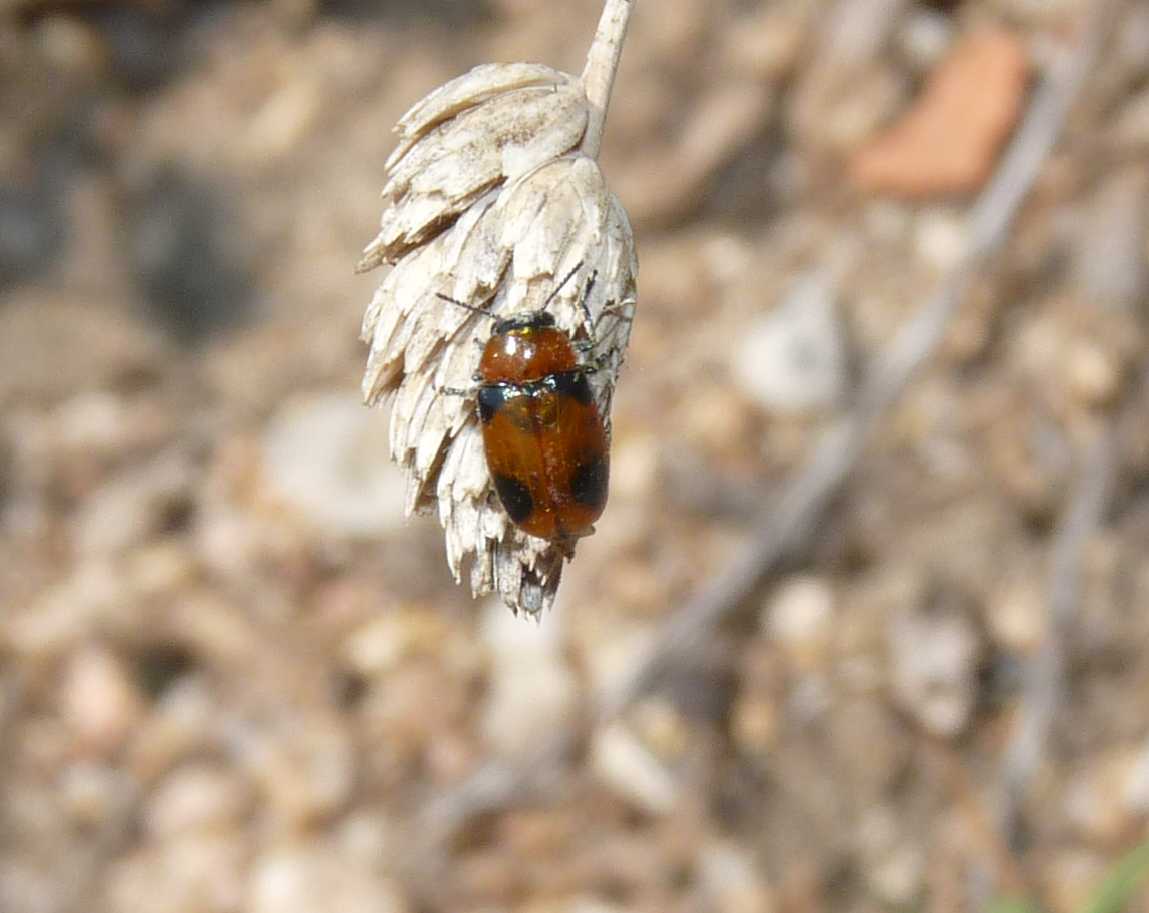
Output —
(491, 398)
(589, 482)
(515, 497)
(573, 384)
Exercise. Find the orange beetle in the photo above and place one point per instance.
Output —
(545, 441)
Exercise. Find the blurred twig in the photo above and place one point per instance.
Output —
(1044, 683)
(787, 524)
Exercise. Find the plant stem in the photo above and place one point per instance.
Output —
(601, 65)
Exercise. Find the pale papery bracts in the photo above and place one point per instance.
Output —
(490, 200)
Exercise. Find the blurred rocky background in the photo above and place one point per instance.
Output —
(232, 675)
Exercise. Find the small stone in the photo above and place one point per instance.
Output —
(634, 467)
(1096, 798)
(612, 659)
(316, 877)
(940, 238)
(133, 507)
(531, 690)
(730, 882)
(327, 458)
(200, 873)
(94, 421)
(625, 765)
(394, 636)
(799, 616)
(72, 45)
(527, 704)
(198, 797)
(368, 836)
(793, 360)
(1070, 879)
(894, 864)
(282, 122)
(305, 777)
(1136, 792)
(925, 36)
(710, 417)
(1016, 616)
(1094, 374)
(662, 726)
(755, 725)
(935, 656)
(507, 636)
(100, 702)
(92, 596)
(897, 879)
(948, 141)
(93, 793)
(160, 569)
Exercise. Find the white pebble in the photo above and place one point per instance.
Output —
(100, 702)
(624, 764)
(531, 691)
(940, 238)
(298, 880)
(197, 797)
(935, 658)
(326, 456)
(793, 360)
(799, 617)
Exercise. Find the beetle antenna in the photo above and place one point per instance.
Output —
(470, 307)
(559, 287)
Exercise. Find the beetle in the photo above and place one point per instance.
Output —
(544, 437)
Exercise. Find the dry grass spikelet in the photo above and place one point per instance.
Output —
(492, 197)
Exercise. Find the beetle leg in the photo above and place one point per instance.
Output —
(454, 391)
(623, 309)
(598, 364)
(588, 321)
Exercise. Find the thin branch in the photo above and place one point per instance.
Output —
(787, 525)
(601, 66)
(1043, 688)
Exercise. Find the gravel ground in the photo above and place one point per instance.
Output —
(232, 675)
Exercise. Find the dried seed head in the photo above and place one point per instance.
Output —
(490, 201)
